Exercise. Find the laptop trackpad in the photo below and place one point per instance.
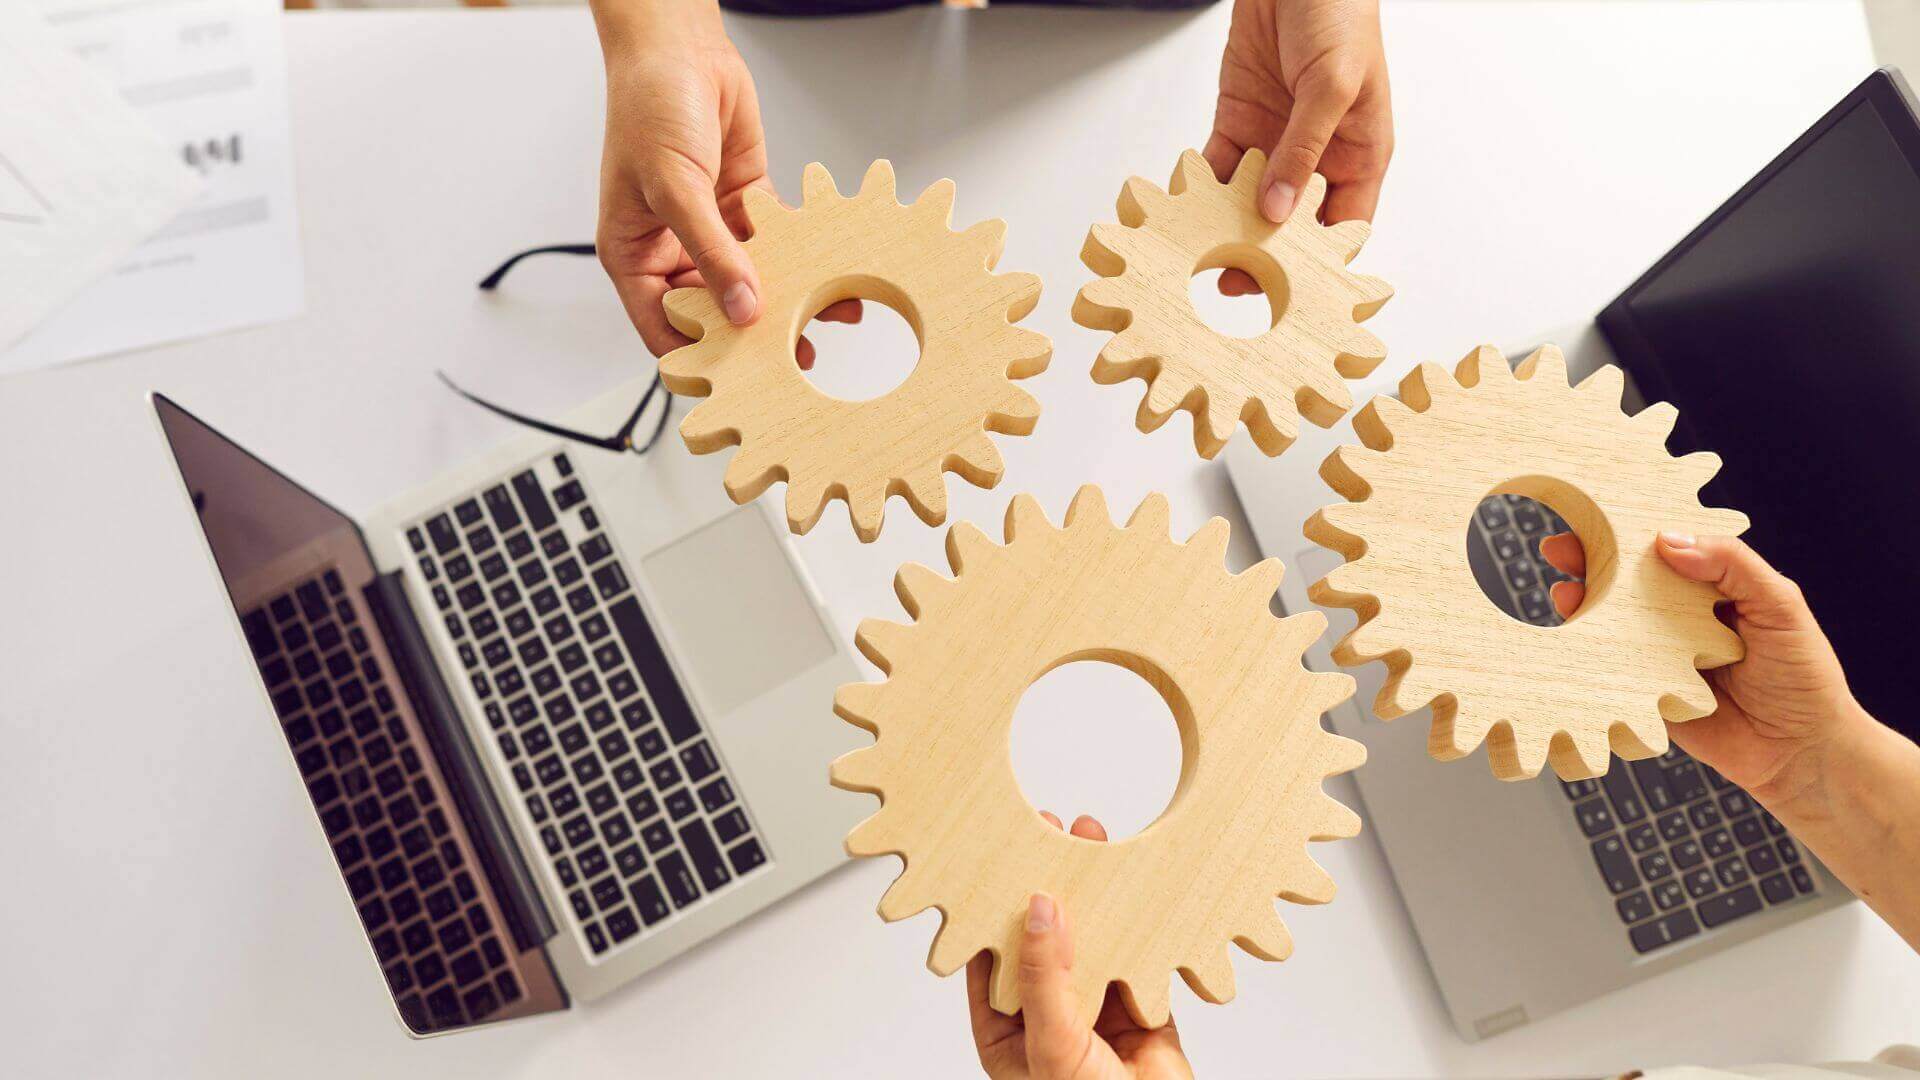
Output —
(735, 604)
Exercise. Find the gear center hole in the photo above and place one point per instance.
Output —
(862, 360)
(1543, 588)
(1094, 736)
(1244, 313)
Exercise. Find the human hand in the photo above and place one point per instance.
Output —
(1778, 709)
(1049, 1039)
(683, 145)
(1305, 81)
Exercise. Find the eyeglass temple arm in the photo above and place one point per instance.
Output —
(492, 281)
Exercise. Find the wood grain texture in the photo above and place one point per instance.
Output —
(1249, 798)
(1295, 367)
(1607, 677)
(869, 246)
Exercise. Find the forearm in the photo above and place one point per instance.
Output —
(622, 23)
(1857, 806)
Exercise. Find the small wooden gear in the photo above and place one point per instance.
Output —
(1612, 672)
(1198, 223)
(835, 248)
(1204, 873)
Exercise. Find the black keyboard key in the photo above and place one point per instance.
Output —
(415, 540)
(569, 495)
(628, 774)
(1789, 853)
(508, 986)
(680, 883)
(519, 546)
(587, 768)
(1704, 815)
(1653, 784)
(647, 655)
(622, 685)
(615, 830)
(699, 761)
(550, 769)
(642, 805)
(1687, 854)
(1736, 803)
(545, 601)
(579, 830)
(1729, 906)
(534, 499)
(500, 505)
(1655, 866)
(614, 746)
(600, 798)
(610, 580)
(582, 909)
(1717, 842)
(622, 925)
(607, 892)
(1634, 906)
(747, 857)
(596, 939)
(1673, 826)
(1594, 817)
(554, 544)
(731, 825)
(1664, 931)
(705, 854)
(657, 835)
(1776, 889)
(1686, 781)
(1748, 831)
(1802, 881)
(567, 572)
(629, 861)
(1579, 789)
(1669, 894)
(580, 600)
(480, 1002)
(716, 794)
(468, 512)
(593, 862)
(648, 898)
(1731, 872)
(1642, 838)
(1616, 866)
(1762, 860)
(1627, 804)
(665, 773)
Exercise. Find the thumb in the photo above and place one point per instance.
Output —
(683, 197)
(1758, 591)
(1319, 103)
(1056, 1035)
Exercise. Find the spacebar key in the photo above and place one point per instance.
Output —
(668, 700)
(1729, 906)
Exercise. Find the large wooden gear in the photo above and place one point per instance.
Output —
(1198, 223)
(869, 246)
(1623, 663)
(1249, 799)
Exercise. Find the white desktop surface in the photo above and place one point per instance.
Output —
(170, 908)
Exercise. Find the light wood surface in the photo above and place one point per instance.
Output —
(1249, 797)
(1297, 366)
(868, 246)
(1626, 660)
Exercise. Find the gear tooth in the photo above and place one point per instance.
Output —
(1021, 293)
(1605, 384)
(1414, 687)
(1262, 579)
(1306, 210)
(867, 509)
(879, 182)
(977, 461)
(1211, 978)
(1149, 999)
(1337, 821)
(1515, 755)
(1698, 468)
(1214, 424)
(1336, 528)
(1307, 881)
(1192, 172)
(951, 949)
(1424, 385)
(858, 703)
(926, 492)
(858, 770)
(707, 429)
(1724, 522)
(816, 185)
(806, 501)
(1267, 937)
(685, 370)
(1343, 755)
(691, 311)
(1657, 420)
(880, 640)
(1546, 361)
(936, 203)
(1151, 516)
(1688, 697)
(1016, 413)
(1088, 510)
(919, 587)
(1166, 394)
(1247, 173)
(1453, 736)
(906, 897)
(1485, 365)
(1031, 350)
(987, 238)
(874, 836)
(967, 546)
(1578, 756)
(1208, 544)
(1025, 518)
(1635, 744)
(763, 207)
(1370, 295)
(1125, 357)
(1360, 351)
(1102, 251)
(750, 473)
(1365, 642)
(1348, 237)
(1102, 305)
(1140, 200)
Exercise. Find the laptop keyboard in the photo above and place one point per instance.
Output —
(637, 815)
(411, 873)
(1680, 848)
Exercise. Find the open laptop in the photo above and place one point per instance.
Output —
(561, 713)
(1784, 329)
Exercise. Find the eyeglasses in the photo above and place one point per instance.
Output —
(618, 442)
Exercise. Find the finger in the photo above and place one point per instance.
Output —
(846, 311)
(1564, 553)
(1320, 101)
(1056, 1033)
(1224, 155)
(1354, 200)
(1050, 819)
(1758, 590)
(1237, 283)
(1567, 597)
(683, 197)
(640, 295)
(990, 1027)
(803, 354)
(1086, 828)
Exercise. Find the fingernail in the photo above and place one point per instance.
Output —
(1677, 539)
(739, 303)
(1277, 202)
(1040, 912)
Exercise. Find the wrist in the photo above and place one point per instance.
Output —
(626, 25)
(1818, 780)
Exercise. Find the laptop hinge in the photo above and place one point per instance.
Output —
(513, 884)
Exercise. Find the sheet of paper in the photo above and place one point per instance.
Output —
(83, 177)
(210, 76)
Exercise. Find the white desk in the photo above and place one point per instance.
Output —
(168, 909)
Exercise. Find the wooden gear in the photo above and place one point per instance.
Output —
(835, 248)
(1166, 237)
(1624, 661)
(1249, 797)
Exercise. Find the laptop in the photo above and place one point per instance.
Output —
(1782, 328)
(561, 713)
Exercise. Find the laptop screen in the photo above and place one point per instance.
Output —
(1787, 331)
